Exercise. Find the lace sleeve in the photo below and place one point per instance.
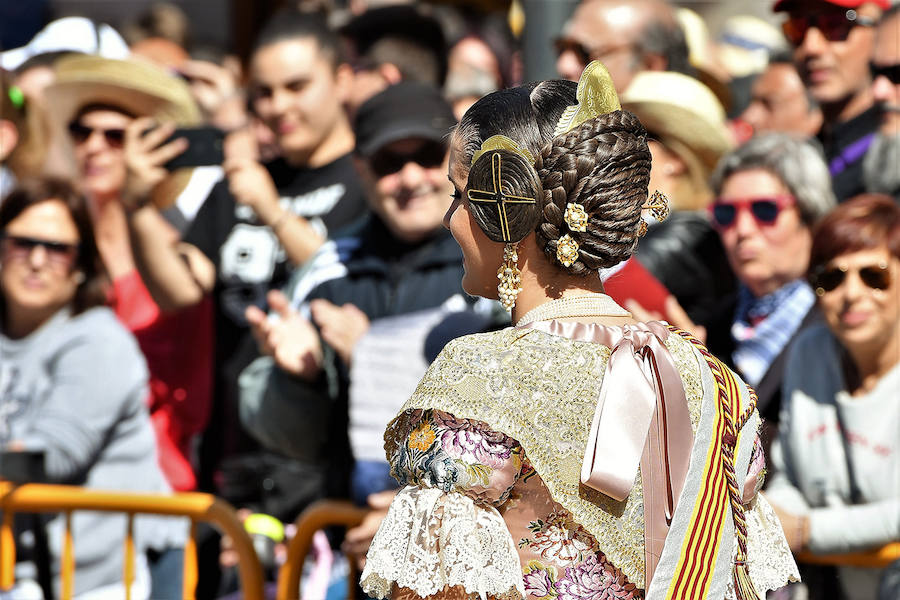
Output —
(771, 564)
(431, 541)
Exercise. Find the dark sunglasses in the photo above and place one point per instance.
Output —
(828, 279)
(429, 156)
(18, 246)
(582, 52)
(115, 138)
(891, 72)
(764, 210)
(834, 25)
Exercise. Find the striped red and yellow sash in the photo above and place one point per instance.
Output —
(701, 545)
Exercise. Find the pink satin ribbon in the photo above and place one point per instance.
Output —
(640, 370)
(641, 421)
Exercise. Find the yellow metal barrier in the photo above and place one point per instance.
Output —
(878, 558)
(41, 498)
(321, 514)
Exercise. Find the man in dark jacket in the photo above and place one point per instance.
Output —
(399, 261)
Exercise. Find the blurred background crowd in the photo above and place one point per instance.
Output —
(223, 265)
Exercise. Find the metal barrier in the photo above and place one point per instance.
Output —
(44, 498)
(878, 558)
(321, 514)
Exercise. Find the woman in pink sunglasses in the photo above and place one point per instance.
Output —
(768, 195)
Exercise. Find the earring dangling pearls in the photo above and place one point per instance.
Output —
(510, 277)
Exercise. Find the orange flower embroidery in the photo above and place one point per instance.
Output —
(422, 437)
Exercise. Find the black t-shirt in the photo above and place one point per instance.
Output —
(250, 261)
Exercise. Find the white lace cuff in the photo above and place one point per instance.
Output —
(769, 559)
(431, 540)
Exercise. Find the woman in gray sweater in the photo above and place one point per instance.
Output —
(837, 457)
(73, 383)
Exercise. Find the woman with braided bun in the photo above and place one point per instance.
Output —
(579, 454)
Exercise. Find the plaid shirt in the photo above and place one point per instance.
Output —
(763, 326)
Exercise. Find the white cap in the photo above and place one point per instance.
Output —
(76, 34)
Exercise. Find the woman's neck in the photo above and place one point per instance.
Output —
(20, 323)
(533, 296)
(872, 362)
(543, 282)
(113, 240)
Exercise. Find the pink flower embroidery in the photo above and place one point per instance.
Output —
(474, 442)
(596, 579)
(539, 580)
(560, 539)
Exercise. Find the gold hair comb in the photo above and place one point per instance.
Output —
(596, 95)
(501, 142)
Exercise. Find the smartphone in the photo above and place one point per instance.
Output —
(205, 147)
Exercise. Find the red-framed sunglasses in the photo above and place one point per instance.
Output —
(834, 25)
(765, 210)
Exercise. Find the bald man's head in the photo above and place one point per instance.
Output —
(626, 35)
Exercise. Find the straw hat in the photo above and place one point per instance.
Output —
(681, 112)
(137, 87)
(702, 55)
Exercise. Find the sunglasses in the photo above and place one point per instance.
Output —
(891, 72)
(80, 133)
(584, 54)
(828, 279)
(429, 155)
(765, 211)
(18, 247)
(834, 25)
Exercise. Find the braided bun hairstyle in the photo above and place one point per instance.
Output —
(603, 165)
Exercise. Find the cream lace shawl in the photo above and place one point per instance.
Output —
(513, 380)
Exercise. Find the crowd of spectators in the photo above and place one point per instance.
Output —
(227, 276)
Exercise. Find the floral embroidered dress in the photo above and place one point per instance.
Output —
(558, 556)
(489, 450)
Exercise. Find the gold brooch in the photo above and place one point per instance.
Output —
(658, 207)
(566, 250)
(575, 217)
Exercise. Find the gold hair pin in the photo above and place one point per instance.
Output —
(498, 197)
(501, 142)
(595, 95)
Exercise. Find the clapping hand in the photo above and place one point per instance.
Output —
(340, 326)
(289, 338)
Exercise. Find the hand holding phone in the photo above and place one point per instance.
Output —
(146, 151)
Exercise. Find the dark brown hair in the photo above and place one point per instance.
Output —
(864, 222)
(92, 291)
(603, 164)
